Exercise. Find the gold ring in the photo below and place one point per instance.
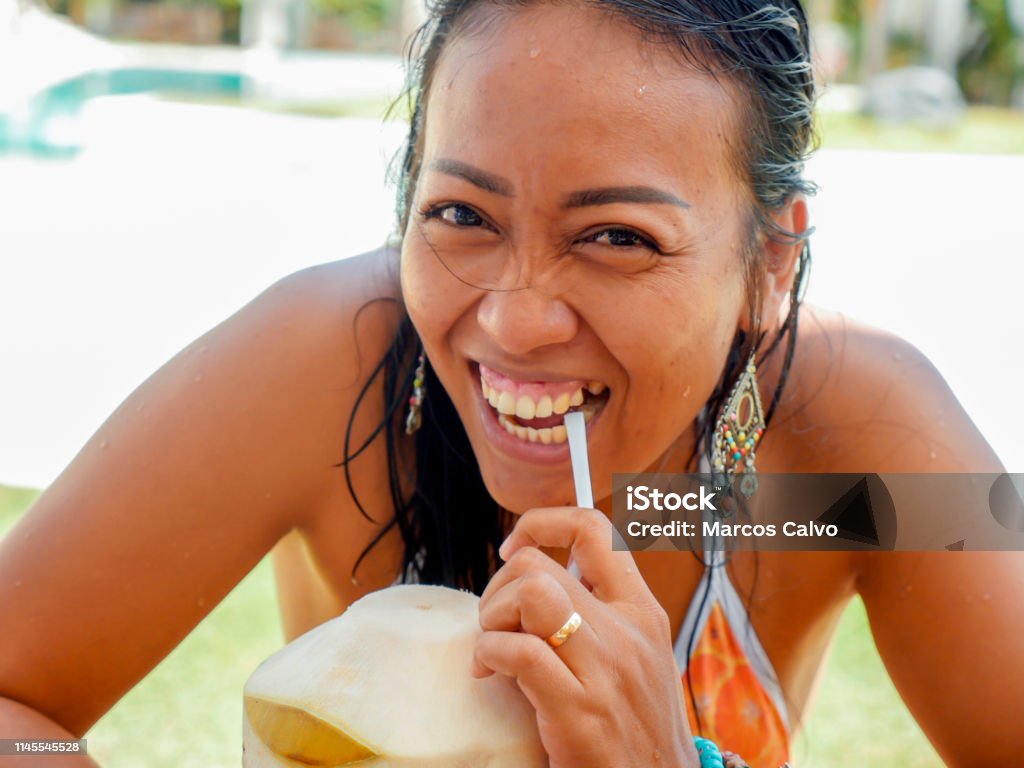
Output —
(565, 632)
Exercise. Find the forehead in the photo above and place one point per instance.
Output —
(565, 89)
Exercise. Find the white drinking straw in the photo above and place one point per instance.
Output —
(576, 427)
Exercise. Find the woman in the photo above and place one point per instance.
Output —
(601, 205)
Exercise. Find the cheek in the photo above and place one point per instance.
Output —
(433, 301)
(673, 340)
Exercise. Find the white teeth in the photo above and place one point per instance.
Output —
(561, 403)
(544, 407)
(547, 435)
(525, 407)
(506, 403)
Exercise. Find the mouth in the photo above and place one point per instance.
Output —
(534, 411)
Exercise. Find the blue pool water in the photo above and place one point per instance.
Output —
(31, 132)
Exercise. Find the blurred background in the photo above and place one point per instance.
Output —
(164, 161)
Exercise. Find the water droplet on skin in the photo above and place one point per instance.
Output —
(17, 582)
(932, 455)
(534, 53)
(687, 392)
(103, 444)
(640, 91)
(897, 356)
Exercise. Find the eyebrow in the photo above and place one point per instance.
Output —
(607, 195)
(490, 182)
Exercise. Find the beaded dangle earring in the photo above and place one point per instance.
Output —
(415, 417)
(739, 430)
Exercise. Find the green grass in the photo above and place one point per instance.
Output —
(187, 712)
(858, 717)
(984, 130)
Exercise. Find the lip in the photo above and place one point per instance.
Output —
(526, 377)
(533, 453)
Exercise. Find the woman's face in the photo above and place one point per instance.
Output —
(577, 227)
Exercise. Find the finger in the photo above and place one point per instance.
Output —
(478, 670)
(732, 760)
(532, 560)
(527, 602)
(548, 684)
(588, 534)
(536, 603)
(526, 560)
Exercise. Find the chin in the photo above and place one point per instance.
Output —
(518, 491)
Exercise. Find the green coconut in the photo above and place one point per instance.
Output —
(386, 684)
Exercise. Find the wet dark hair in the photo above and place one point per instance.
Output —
(450, 526)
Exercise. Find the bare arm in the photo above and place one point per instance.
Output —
(948, 625)
(18, 721)
(177, 496)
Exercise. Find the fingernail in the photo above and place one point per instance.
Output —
(502, 549)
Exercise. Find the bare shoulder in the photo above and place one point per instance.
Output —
(864, 400)
(861, 399)
(183, 489)
(343, 304)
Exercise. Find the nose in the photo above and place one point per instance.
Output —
(524, 319)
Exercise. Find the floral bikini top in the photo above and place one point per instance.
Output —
(728, 675)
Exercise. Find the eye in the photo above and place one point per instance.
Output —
(455, 214)
(622, 238)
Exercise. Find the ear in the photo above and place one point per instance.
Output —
(780, 257)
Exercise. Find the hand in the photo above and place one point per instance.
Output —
(611, 695)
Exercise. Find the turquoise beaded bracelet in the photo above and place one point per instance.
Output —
(710, 755)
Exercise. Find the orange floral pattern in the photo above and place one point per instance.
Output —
(735, 710)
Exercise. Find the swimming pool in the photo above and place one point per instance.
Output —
(46, 124)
